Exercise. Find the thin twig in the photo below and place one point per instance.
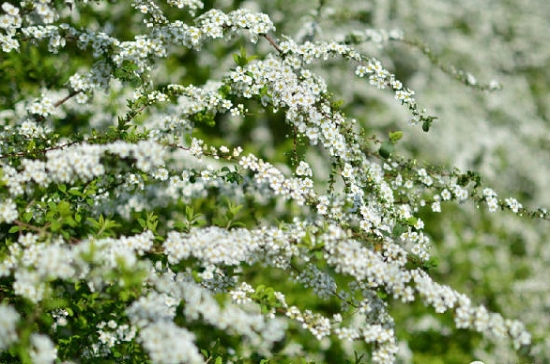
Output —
(74, 93)
(273, 43)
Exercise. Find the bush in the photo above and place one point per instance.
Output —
(182, 182)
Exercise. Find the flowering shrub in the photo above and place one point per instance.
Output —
(180, 183)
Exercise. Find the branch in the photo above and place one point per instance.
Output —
(273, 43)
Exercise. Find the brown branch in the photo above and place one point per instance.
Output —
(273, 43)
(31, 227)
(74, 93)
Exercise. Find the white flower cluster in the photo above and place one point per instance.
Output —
(322, 283)
(8, 211)
(158, 336)
(200, 304)
(9, 23)
(151, 308)
(192, 5)
(297, 189)
(214, 246)
(240, 294)
(43, 350)
(212, 24)
(51, 32)
(320, 326)
(211, 246)
(467, 316)
(352, 258)
(31, 129)
(513, 204)
(79, 162)
(35, 263)
(8, 321)
(111, 333)
(491, 199)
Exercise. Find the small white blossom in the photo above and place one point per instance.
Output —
(8, 321)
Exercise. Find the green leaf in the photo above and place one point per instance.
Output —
(27, 216)
(14, 229)
(395, 136)
(237, 59)
(428, 123)
(242, 59)
(386, 149)
(399, 229)
(75, 192)
(426, 126)
(103, 227)
(128, 72)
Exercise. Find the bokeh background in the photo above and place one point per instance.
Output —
(498, 259)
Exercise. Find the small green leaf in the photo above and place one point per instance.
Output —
(395, 136)
(56, 226)
(426, 126)
(27, 216)
(237, 59)
(386, 149)
(128, 72)
(31, 146)
(75, 192)
(399, 229)
(242, 59)
(428, 123)
(14, 229)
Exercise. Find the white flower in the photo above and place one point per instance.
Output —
(8, 211)
(513, 204)
(303, 169)
(492, 204)
(165, 342)
(8, 321)
(43, 350)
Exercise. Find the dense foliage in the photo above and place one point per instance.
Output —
(228, 181)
